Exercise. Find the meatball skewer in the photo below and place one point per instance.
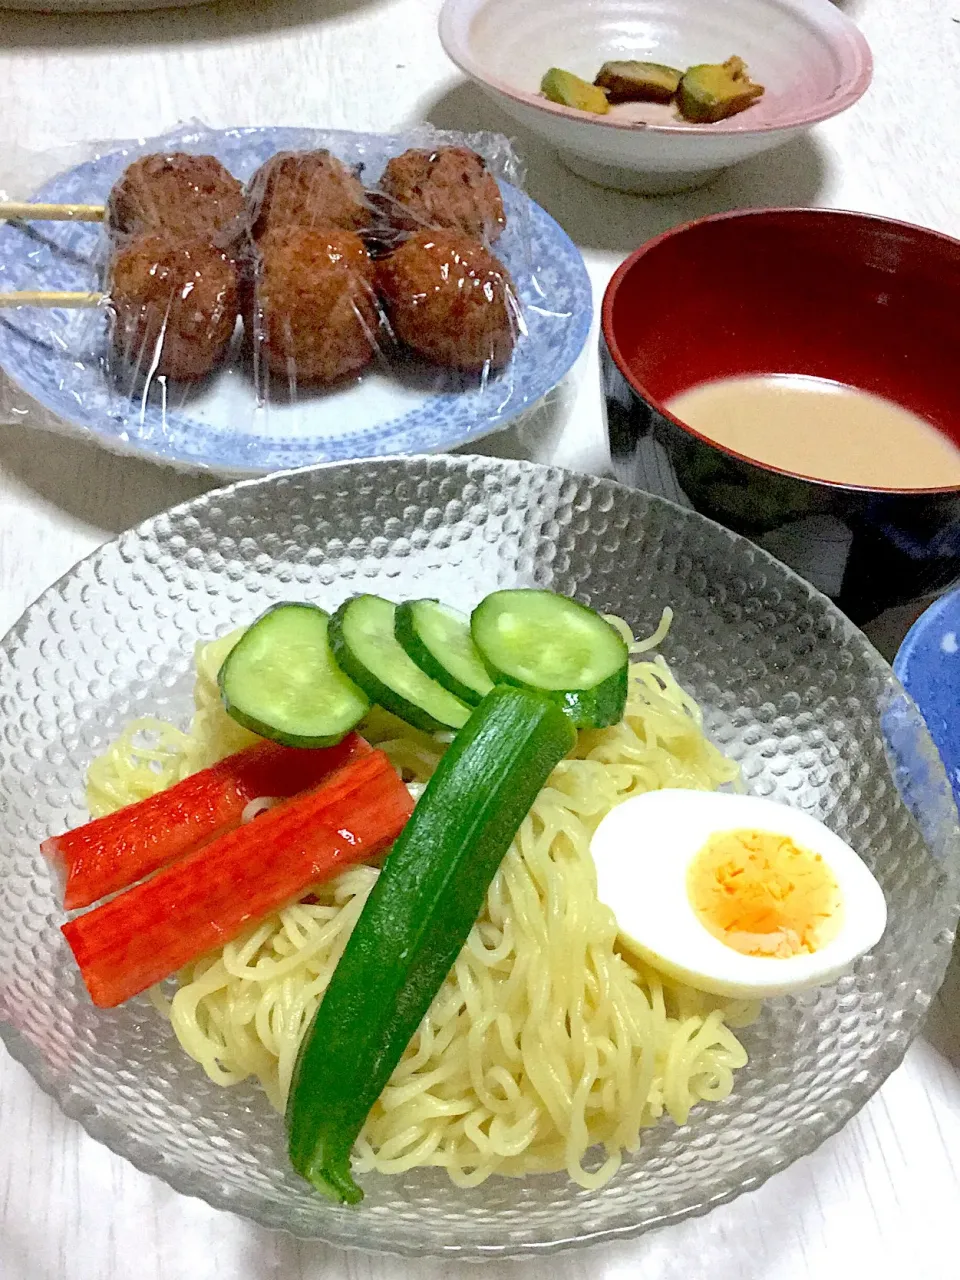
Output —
(178, 222)
(179, 284)
(174, 306)
(450, 300)
(306, 189)
(315, 311)
(191, 197)
(449, 188)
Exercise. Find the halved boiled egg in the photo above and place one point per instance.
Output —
(735, 895)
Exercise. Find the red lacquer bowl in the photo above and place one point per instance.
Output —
(861, 300)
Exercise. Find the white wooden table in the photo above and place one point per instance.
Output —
(882, 1198)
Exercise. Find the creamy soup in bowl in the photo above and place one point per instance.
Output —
(791, 373)
(826, 430)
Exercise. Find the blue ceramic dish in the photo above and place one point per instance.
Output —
(928, 665)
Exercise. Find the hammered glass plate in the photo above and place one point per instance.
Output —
(790, 689)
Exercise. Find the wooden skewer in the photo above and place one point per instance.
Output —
(12, 209)
(37, 298)
(51, 212)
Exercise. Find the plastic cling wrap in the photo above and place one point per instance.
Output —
(264, 298)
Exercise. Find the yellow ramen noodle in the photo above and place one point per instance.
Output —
(544, 1042)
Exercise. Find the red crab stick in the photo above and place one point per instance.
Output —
(115, 851)
(149, 932)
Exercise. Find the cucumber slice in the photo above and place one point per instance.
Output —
(280, 680)
(540, 640)
(364, 644)
(438, 639)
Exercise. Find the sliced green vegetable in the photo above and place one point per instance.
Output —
(280, 680)
(414, 923)
(364, 644)
(712, 92)
(570, 91)
(438, 640)
(539, 640)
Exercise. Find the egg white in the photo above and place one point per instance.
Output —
(643, 849)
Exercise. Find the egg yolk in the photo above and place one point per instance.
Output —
(763, 895)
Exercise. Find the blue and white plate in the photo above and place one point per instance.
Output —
(56, 356)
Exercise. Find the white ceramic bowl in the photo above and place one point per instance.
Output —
(813, 61)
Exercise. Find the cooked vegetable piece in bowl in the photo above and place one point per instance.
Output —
(703, 94)
(710, 93)
(638, 81)
(568, 90)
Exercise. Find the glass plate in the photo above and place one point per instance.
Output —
(790, 689)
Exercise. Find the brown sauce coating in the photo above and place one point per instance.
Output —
(175, 305)
(449, 188)
(309, 189)
(451, 300)
(316, 315)
(193, 197)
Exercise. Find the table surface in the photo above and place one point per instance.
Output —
(881, 1197)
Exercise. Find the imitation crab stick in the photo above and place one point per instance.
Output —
(115, 851)
(208, 897)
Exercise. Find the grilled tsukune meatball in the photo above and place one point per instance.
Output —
(193, 197)
(175, 305)
(450, 299)
(450, 188)
(308, 189)
(316, 314)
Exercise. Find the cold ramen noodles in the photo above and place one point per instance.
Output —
(370, 865)
(543, 1042)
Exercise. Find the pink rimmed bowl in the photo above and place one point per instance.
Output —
(812, 60)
